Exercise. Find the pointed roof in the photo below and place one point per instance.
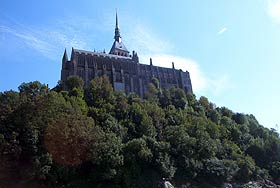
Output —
(118, 46)
(65, 56)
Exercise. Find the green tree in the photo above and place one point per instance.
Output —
(246, 169)
(165, 98)
(121, 105)
(99, 92)
(31, 89)
(74, 82)
(157, 115)
(178, 98)
(205, 103)
(101, 138)
(9, 101)
(225, 112)
(68, 139)
(152, 93)
(239, 118)
(153, 90)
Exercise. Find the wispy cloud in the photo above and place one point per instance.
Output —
(148, 44)
(30, 39)
(221, 31)
(219, 84)
(216, 85)
(199, 80)
(48, 41)
(145, 41)
(274, 10)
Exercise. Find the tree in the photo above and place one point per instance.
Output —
(101, 138)
(246, 169)
(174, 116)
(165, 98)
(152, 93)
(239, 118)
(178, 98)
(121, 105)
(214, 116)
(225, 112)
(68, 139)
(205, 103)
(111, 125)
(275, 170)
(162, 160)
(74, 82)
(99, 92)
(141, 124)
(183, 148)
(155, 82)
(31, 89)
(9, 101)
(105, 153)
(153, 90)
(157, 115)
(137, 149)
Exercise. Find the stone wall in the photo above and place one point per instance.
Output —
(125, 73)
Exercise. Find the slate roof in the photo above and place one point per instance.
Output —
(119, 46)
(99, 54)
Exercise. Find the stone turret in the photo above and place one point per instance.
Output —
(135, 57)
(65, 56)
(64, 59)
(64, 71)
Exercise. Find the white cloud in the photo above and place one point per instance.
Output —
(165, 60)
(222, 30)
(274, 10)
(50, 41)
(201, 82)
(218, 85)
(149, 45)
(145, 41)
(30, 39)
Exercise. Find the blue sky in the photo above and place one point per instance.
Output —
(231, 48)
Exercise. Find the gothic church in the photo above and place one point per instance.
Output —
(123, 69)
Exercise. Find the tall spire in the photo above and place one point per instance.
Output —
(117, 30)
(118, 47)
(117, 23)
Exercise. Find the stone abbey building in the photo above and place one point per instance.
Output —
(123, 69)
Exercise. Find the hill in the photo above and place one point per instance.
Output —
(96, 137)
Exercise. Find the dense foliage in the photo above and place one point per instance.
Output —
(101, 138)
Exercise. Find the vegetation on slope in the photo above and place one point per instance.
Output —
(101, 138)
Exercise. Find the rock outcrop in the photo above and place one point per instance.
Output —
(260, 184)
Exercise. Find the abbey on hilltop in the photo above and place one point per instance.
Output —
(123, 69)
